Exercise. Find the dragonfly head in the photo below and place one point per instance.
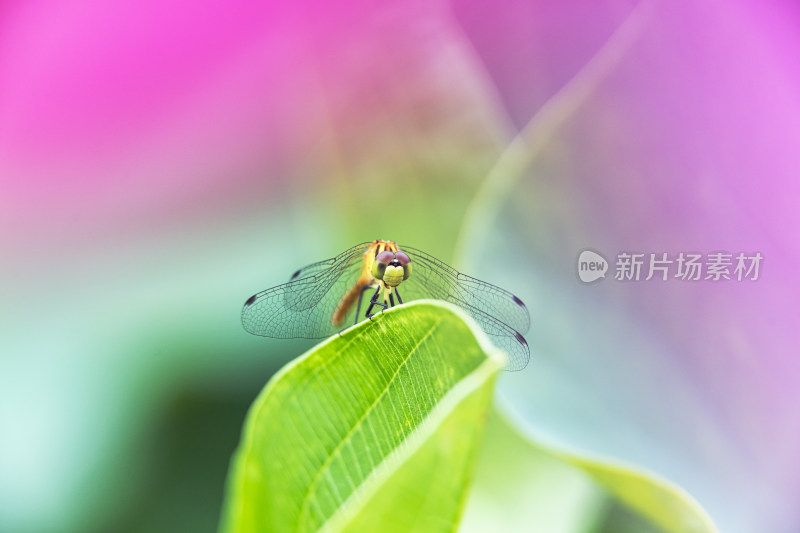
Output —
(391, 267)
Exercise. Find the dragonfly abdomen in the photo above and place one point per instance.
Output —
(348, 300)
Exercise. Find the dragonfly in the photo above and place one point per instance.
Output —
(320, 298)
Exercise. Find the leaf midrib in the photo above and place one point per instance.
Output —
(305, 504)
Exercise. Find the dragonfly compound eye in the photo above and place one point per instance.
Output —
(405, 261)
(380, 263)
(398, 270)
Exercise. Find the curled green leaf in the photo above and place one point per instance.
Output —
(376, 429)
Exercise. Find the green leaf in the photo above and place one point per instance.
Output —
(373, 430)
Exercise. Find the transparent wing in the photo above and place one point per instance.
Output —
(489, 298)
(501, 314)
(320, 266)
(304, 307)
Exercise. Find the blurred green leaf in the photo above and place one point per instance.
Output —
(664, 505)
(520, 487)
(658, 500)
(373, 430)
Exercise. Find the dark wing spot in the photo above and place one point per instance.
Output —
(518, 301)
(294, 275)
(251, 300)
(520, 338)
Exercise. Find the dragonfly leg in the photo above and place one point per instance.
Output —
(391, 299)
(360, 296)
(374, 301)
(398, 295)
